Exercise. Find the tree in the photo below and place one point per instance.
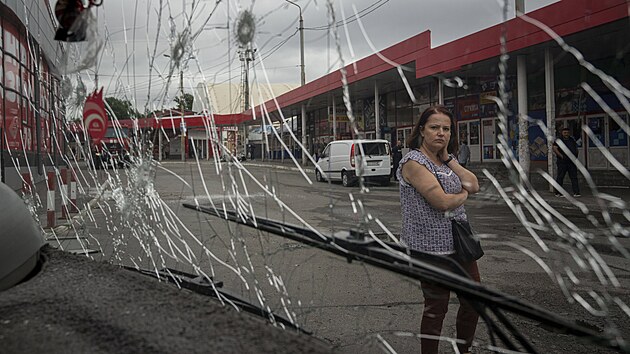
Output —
(188, 101)
(122, 109)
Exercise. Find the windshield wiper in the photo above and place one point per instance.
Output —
(355, 245)
(209, 287)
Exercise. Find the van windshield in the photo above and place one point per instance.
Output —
(115, 133)
(375, 149)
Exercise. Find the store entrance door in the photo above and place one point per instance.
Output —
(489, 139)
(609, 135)
(469, 132)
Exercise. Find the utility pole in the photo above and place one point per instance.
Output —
(302, 80)
(246, 56)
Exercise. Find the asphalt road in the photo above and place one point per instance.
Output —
(354, 306)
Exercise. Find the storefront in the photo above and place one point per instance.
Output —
(31, 118)
(465, 75)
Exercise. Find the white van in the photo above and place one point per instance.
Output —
(342, 160)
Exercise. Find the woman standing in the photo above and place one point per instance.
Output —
(427, 209)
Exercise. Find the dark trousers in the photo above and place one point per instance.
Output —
(435, 307)
(394, 169)
(563, 168)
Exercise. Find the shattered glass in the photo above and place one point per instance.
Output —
(208, 213)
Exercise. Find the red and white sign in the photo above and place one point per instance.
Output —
(94, 116)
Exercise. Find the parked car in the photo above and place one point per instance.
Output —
(114, 149)
(348, 160)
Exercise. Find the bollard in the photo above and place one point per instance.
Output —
(64, 193)
(27, 184)
(73, 192)
(50, 199)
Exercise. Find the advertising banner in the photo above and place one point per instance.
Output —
(44, 122)
(342, 118)
(468, 107)
(94, 116)
(12, 111)
(256, 132)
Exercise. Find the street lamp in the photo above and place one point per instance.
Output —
(302, 80)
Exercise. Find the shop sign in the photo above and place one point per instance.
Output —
(487, 97)
(94, 116)
(570, 102)
(468, 108)
(342, 118)
(230, 128)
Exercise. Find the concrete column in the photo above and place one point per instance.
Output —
(377, 120)
(303, 134)
(263, 138)
(550, 109)
(523, 125)
(440, 88)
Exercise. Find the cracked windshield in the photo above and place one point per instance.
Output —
(358, 176)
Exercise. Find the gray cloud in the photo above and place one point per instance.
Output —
(133, 31)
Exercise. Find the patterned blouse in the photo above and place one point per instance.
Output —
(425, 228)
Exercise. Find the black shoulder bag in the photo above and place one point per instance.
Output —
(466, 244)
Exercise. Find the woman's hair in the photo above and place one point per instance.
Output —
(414, 138)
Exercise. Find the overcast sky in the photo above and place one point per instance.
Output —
(131, 31)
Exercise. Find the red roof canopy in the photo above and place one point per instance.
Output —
(192, 121)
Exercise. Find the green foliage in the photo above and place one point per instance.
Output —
(188, 101)
(123, 109)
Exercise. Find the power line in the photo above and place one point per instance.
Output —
(352, 18)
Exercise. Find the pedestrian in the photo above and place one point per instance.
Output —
(427, 208)
(463, 154)
(566, 163)
(250, 148)
(396, 157)
(316, 150)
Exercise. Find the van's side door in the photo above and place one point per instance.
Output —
(339, 157)
(324, 161)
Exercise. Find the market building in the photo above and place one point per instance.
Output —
(31, 119)
(582, 86)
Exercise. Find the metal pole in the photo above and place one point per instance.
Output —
(519, 6)
(377, 113)
(160, 152)
(523, 134)
(303, 134)
(551, 111)
(183, 124)
(334, 118)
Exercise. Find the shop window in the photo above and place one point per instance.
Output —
(616, 135)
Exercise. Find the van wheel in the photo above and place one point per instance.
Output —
(318, 176)
(345, 179)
